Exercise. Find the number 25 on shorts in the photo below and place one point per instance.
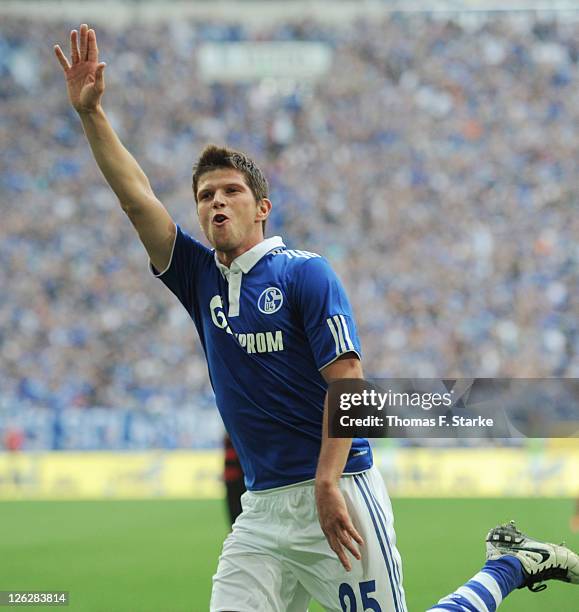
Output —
(348, 597)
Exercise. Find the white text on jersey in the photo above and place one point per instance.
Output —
(258, 342)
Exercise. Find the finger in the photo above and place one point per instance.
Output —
(354, 534)
(347, 542)
(74, 52)
(92, 49)
(83, 42)
(342, 556)
(61, 58)
(99, 82)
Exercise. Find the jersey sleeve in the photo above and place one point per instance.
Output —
(185, 267)
(325, 310)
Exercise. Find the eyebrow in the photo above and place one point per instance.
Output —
(211, 188)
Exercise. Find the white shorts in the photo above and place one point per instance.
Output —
(277, 558)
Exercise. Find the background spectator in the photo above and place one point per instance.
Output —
(436, 166)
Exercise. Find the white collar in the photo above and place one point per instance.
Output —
(247, 260)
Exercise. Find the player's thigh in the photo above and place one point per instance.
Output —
(254, 582)
(251, 576)
(371, 511)
(375, 582)
(366, 587)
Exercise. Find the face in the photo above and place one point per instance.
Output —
(229, 215)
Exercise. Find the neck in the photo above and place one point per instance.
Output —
(226, 257)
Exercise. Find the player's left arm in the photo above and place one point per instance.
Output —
(323, 307)
(332, 511)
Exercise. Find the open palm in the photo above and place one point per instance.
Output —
(84, 75)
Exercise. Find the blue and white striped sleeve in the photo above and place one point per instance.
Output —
(325, 311)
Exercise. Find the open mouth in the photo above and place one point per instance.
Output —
(220, 219)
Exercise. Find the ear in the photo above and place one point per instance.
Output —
(263, 210)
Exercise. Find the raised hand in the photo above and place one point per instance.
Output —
(84, 77)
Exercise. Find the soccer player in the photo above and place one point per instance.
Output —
(276, 326)
(514, 561)
(233, 479)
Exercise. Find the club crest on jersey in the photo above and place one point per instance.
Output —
(270, 300)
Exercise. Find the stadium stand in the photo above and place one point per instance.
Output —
(436, 165)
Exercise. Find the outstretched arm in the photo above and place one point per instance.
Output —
(85, 85)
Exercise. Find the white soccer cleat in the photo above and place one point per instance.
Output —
(541, 561)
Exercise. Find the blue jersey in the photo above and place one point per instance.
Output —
(268, 324)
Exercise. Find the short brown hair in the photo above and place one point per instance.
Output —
(214, 157)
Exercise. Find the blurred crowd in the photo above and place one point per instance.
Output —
(436, 165)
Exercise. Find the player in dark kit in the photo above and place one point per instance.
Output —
(233, 479)
(276, 326)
